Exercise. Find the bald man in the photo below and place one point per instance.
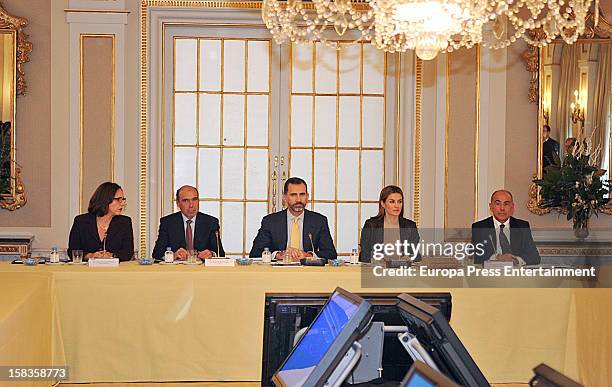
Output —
(188, 229)
(503, 237)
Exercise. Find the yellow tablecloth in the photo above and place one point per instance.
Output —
(181, 323)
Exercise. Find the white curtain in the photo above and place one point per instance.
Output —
(601, 98)
(567, 85)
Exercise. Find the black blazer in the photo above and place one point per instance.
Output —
(373, 232)
(521, 241)
(119, 236)
(172, 234)
(273, 235)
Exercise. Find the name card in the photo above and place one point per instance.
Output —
(220, 262)
(104, 262)
(496, 264)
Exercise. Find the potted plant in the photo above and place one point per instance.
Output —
(574, 186)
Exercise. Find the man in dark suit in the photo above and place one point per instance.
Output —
(188, 229)
(550, 149)
(294, 231)
(499, 243)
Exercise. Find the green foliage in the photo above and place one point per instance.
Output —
(574, 186)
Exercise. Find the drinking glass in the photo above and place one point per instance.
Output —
(77, 256)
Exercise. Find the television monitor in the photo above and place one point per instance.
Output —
(422, 375)
(287, 313)
(546, 376)
(341, 321)
(437, 337)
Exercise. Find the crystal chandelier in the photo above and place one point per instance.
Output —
(427, 26)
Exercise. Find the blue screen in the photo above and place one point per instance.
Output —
(418, 380)
(317, 340)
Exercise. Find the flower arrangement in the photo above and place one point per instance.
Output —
(574, 186)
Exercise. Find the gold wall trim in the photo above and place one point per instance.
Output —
(446, 118)
(477, 134)
(69, 10)
(144, 77)
(206, 4)
(418, 99)
(24, 46)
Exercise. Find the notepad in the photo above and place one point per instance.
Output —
(104, 262)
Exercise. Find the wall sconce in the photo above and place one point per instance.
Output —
(545, 112)
(577, 110)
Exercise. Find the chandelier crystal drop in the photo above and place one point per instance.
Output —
(427, 26)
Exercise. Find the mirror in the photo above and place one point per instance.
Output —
(14, 52)
(572, 85)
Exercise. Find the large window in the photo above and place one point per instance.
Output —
(247, 114)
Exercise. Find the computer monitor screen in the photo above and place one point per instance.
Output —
(287, 313)
(442, 344)
(327, 339)
(421, 375)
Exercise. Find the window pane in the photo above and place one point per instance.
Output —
(231, 227)
(347, 228)
(257, 120)
(259, 67)
(186, 70)
(371, 174)
(233, 173)
(348, 133)
(210, 119)
(233, 65)
(325, 175)
(368, 210)
(350, 68)
(326, 69)
(348, 174)
(210, 208)
(301, 165)
(373, 122)
(210, 65)
(257, 174)
(185, 119)
(209, 170)
(233, 120)
(254, 213)
(325, 121)
(184, 167)
(301, 121)
(328, 209)
(301, 67)
(373, 70)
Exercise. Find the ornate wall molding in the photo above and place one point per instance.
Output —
(24, 46)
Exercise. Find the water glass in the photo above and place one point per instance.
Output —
(77, 256)
(192, 256)
(286, 257)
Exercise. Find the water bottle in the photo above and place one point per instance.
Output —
(354, 259)
(168, 255)
(54, 256)
(266, 256)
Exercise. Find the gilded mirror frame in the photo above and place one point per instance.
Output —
(22, 48)
(532, 57)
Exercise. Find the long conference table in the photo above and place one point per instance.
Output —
(194, 323)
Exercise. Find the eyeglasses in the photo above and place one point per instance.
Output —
(121, 199)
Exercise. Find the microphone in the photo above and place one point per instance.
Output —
(312, 245)
(218, 249)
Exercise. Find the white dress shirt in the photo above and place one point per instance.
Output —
(498, 249)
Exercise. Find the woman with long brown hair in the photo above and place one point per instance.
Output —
(389, 226)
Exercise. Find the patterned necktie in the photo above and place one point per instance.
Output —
(503, 240)
(189, 235)
(295, 234)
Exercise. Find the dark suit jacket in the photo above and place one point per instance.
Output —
(273, 235)
(172, 234)
(119, 236)
(373, 232)
(521, 241)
